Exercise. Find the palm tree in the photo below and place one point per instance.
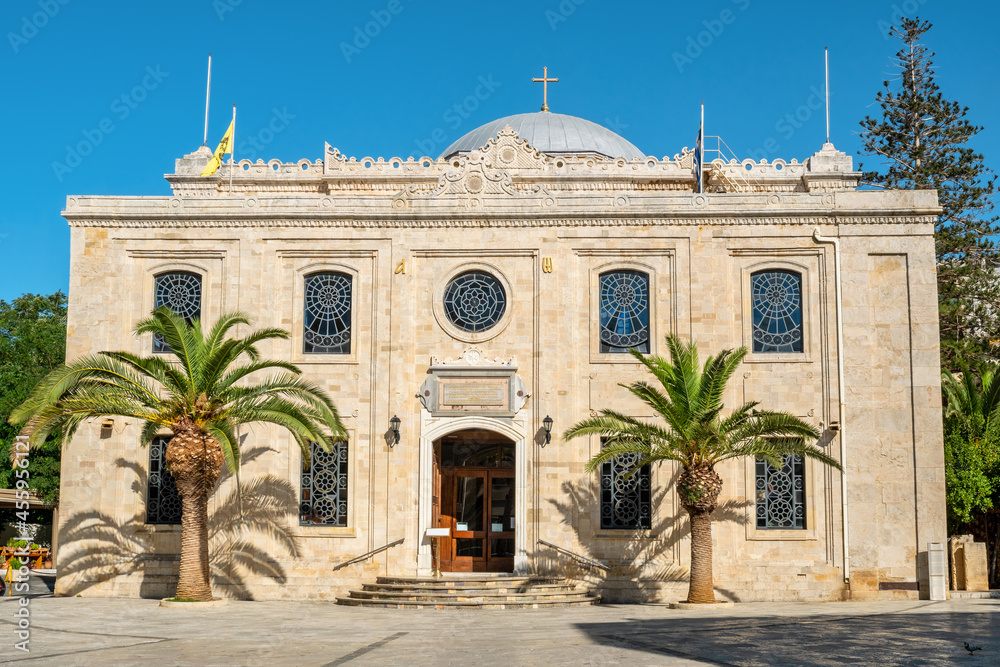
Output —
(200, 396)
(972, 399)
(698, 437)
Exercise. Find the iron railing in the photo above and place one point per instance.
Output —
(366, 556)
(583, 559)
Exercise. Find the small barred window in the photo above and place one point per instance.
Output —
(324, 487)
(179, 291)
(163, 503)
(327, 324)
(625, 499)
(781, 494)
(624, 311)
(777, 311)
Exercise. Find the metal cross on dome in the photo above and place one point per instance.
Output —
(545, 80)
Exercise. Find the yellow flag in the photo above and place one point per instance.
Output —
(225, 146)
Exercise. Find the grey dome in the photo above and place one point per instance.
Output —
(553, 133)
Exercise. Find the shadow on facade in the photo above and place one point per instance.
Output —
(644, 564)
(99, 548)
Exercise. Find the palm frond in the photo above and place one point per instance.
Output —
(614, 448)
(222, 326)
(178, 335)
(772, 449)
(661, 404)
(235, 375)
(222, 431)
(89, 370)
(717, 373)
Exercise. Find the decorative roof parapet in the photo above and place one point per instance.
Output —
(507, 166)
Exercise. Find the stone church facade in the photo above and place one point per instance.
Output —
(482, 295)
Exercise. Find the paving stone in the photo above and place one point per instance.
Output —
(101, 631)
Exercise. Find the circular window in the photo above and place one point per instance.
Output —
(475, 301)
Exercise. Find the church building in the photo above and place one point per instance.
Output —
(464, 310)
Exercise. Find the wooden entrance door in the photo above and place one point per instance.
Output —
(478, 505)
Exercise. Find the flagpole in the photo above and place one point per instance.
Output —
(232, 150)
(826, 56)
(208, 94)
(701, 163)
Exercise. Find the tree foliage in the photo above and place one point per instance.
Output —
(32, 343)
(922, 141)
(972, 442)
(696, 434)
(201, 392)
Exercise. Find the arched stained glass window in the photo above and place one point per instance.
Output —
(777, 311)
(327, 324)
(180, 291)
(475, 301)
(624, 311)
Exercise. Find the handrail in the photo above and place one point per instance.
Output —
(589, 561)
(368, 555)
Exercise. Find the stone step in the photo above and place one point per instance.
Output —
(468, 581)
(465, 597)
(408, 604)
(992, 594)
(469, 591)
(449, 589)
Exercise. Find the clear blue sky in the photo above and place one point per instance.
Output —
(127, 80)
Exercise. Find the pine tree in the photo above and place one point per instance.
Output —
(922, 140)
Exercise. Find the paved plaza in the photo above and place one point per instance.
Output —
(94, 631)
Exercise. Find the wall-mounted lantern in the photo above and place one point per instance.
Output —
(547, 423)
(394, 427)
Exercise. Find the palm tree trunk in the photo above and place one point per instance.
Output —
(701, 587)
(193, 583)
(699, 488)
(195, 459)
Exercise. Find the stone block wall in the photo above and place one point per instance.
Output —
(254, 250)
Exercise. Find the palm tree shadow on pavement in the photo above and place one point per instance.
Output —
(644, 564)
(98, 547)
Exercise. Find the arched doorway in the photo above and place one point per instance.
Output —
(474, 494)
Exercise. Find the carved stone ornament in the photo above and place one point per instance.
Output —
(485, 172)
(473, 356)
(473, 384)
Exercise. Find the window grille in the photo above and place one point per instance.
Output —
(163, 503)
(624, 311)
(324, 487)
(180, 292)
(781, 494)
(625, 499)
(327, 324)
(777, 311)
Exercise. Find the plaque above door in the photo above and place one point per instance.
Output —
(473, 385)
